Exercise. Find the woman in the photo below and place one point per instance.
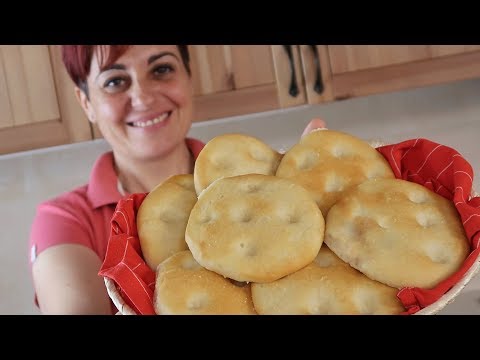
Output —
(141, 99)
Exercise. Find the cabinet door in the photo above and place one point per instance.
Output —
(36, 99)
(368, 69)
(317, 73)
(234, 80)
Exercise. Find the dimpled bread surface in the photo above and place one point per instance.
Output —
(162, 218)
(233, 154)
(327, 286)
(254, 228)
(328, 162)
(397, 232)
(183, 287)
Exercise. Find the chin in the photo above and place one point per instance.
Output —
(151, 149)
(155, 152)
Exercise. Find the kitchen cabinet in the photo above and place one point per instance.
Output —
(359, 70)
(234, 80)
(37, 103)
(239, 80)
(316, 70)
(38, 106)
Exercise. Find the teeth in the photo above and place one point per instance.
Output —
(151, 122)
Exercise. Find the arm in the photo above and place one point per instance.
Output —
(64, 263)
(66, 281)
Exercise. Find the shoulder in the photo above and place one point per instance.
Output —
(83, 198)
(73, 217)
(59, 220)
(71, 201)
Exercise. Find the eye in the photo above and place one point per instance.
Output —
(162, 69)
(115, 83)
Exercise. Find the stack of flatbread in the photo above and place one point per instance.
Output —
(325, 228)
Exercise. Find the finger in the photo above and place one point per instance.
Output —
(314, 124)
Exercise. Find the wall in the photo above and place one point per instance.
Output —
(448, 114)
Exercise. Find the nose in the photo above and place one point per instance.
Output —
(141, 96)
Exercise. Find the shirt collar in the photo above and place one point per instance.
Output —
(103, 184)
(195, 146)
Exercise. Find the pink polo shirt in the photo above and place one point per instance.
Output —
(82, 216)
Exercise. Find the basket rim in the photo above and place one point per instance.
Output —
(120, 304)
(432, 309)
(451, 294)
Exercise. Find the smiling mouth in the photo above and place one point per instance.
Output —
(157, 120)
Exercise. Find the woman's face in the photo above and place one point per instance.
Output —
(142, 104)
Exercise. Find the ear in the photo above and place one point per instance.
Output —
(85, 104)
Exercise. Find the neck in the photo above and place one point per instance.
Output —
(140, 176)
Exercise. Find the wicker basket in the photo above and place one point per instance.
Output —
(447, 298)
(432, 309)
(120, 304)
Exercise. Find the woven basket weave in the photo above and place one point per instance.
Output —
(432, 309)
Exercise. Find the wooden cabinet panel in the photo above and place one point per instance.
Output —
(317, 73)
(40, 87)
(359, 70)
(6, 116)
(251, 66)
(210, 70)
(289, 77)
(232, 80)
(220, 68)
(38, 105)
(346, 58)
(15, 94)
(445, 50)
(71, 113)
(30, 89)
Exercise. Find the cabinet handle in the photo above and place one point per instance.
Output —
(318, 86)
(293, 82)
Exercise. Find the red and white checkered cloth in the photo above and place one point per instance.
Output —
(437, 167)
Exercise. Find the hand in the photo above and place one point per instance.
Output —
(314, 124)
